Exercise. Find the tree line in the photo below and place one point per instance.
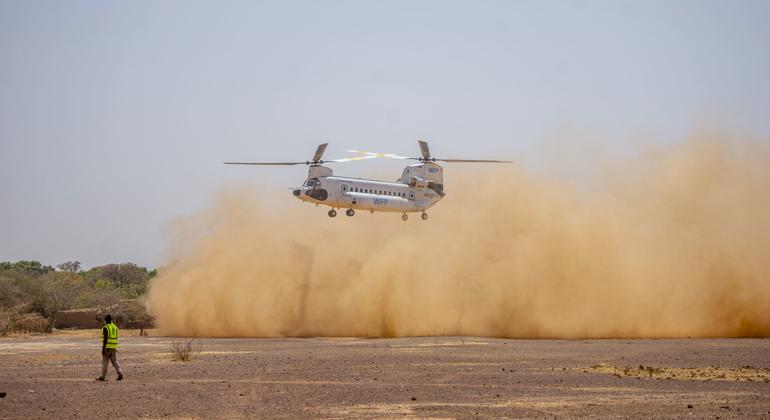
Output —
(30, 290)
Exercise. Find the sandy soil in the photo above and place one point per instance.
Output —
(53, 376)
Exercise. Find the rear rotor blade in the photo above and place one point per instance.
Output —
(424, 149)
(472, 160)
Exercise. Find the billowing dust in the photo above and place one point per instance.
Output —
(674, 242)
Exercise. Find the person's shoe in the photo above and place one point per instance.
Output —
(120, 377)
(100, 379)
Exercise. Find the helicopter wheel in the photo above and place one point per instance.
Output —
(424, 216)
(332, 213)
(404, 217)
(350, 212)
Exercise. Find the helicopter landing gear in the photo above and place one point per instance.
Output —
(332, 213)
(424, 216)
(350, 212)
(404, 217)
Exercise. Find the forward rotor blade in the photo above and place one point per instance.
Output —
(319, 152)
(424, 149)
(267, 163)
(370, 155)
(472, 160)
(350, 159)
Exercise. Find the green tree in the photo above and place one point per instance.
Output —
(32, 267)
(15, 287)
(56, 291)
(121, 275)
(69, 266)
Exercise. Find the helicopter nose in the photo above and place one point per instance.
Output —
(296, 192)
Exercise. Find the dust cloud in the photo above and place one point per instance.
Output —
(674, 242)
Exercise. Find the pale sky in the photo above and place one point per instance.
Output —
(115, 116)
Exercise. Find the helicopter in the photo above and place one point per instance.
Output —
(419, 188)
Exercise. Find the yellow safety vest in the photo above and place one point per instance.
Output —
(112, 337)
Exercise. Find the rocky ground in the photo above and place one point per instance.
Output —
(53, 376)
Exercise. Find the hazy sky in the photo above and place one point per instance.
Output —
(115, 116)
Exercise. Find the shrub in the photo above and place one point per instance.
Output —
(28, 323)
(5, 323)
(183, 351)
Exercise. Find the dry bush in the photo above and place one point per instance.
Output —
(183, 351)
(27, 323)
(5, 323)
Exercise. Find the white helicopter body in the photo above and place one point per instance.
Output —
(419, 188)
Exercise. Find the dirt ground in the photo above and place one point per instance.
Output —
(447, 377)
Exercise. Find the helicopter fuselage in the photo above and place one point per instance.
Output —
(419, 188)
(367, 194)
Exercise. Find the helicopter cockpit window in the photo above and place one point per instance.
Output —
(312, 183)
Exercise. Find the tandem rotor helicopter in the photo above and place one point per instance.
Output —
(419, 188)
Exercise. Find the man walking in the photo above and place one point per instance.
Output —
(110, 348)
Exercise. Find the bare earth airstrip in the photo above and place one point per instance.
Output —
(53, 376)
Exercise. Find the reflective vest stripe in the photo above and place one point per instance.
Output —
(112, 336)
